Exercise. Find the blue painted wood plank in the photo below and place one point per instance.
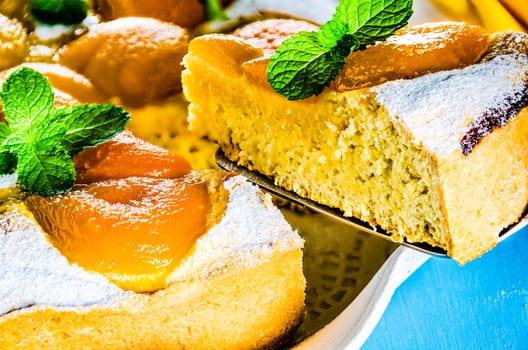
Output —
(481, 305)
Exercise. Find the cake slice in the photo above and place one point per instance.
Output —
(437, 154)
(240, 286)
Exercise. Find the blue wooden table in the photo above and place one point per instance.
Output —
(481, 305)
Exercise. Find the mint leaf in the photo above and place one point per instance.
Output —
(40, 140)
(214, 10)
(307, 62)
(302, 67)
(89, 125)
(4, 131)
(59, 11)
(27, 98)
(44, 167)
(374, 20)
(331, 33)
(7, 159)
(7, 162)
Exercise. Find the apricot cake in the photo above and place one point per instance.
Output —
(423, 135)
(150, 255)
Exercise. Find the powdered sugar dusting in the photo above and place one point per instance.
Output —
(439, 108)
(34, 273)
(250, 229)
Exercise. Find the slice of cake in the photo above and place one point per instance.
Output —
(437, 154)
(102, 266)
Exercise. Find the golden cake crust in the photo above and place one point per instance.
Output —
(212, 314)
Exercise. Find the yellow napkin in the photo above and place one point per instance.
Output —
(494, 15)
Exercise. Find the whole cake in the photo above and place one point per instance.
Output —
(423, 135)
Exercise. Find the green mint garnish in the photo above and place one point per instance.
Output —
(59, 11)
(307, 62)
(40, 140)
(214, 10)
(7, 160)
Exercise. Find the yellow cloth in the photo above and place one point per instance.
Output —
(494, 15)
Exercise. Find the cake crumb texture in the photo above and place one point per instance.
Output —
(389, 155)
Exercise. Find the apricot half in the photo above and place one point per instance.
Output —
(127, 155)
(133, 230)
(69, 87)
(134, 213)
(270, 34)
(187, 13)
(414, 51)
(135, 59)
(225, 51)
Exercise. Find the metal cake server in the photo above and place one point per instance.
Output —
(268, 185)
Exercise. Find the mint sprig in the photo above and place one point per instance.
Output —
(59, 11)
(40, 140)
(308, 61)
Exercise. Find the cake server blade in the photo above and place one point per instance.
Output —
(267, 184)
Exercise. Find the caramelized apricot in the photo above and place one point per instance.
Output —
(133, 230)
(225, 51)
(135, 59)
(69, 86)
(186, 13)
(269, 34)
(255, 70)
(127, 155)
(411, 52)
(414, 51)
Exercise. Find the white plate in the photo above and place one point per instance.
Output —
(353, 326)
(351, 277)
